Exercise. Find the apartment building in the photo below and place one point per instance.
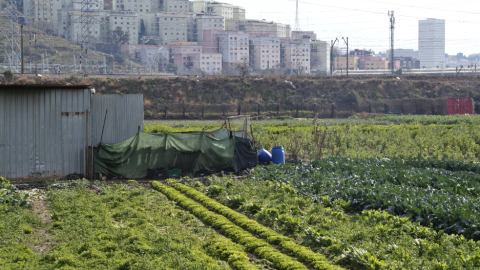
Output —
(341, 63)
(180, 6)
(431, 43)
(265, 53)
(295, 56)
(179, 52)
(127, 21)
(152, 57)
(225, 10)
(361, 53)
(375, 63)
(69, 26)
(131, 50)
(233, 47)
(210, 64)
(319, 57)
(198, 23)
(44, 14)
(171, 27)
(258, 27)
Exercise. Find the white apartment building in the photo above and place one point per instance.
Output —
(127, 21)
(265, 53)
(233, 47)
(69, 26)
(319, 57)
(171, 27)
(258, 27)
(431, 43)
(211, 64)
(154, 58)
(296, 57)
(44, 13)
(225, 10)
(197, 23)
(180, 6)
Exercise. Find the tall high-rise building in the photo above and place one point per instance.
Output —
(431, 43)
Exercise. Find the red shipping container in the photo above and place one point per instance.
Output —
(460, 106)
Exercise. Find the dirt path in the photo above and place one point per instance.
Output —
(43, 240)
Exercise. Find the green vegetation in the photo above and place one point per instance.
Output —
(430, 192)
(111, 227)
(254, 245)
(286, 244)
(367, 240)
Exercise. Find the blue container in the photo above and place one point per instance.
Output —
(264, 155)
(278, 155)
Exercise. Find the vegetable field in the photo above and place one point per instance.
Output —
(386, 193)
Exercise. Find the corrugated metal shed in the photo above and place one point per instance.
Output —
(124, 117)
(43, 130)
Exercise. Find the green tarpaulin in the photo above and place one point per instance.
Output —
(185, 151)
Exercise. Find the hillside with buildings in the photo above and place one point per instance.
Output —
(203, 37)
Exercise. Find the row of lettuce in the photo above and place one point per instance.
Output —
(240, 228)
(370, 239)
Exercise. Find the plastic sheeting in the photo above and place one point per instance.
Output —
(132, 158)
(245, 154)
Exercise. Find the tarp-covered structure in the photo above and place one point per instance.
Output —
(132, 158)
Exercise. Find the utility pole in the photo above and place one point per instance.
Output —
(346, 42)
(35, 55)
(21, 47)
(331, 55)
(392, 43)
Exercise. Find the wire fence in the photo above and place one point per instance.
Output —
(413, 106)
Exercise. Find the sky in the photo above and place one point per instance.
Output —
(366, 22)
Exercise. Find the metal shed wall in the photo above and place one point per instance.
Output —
(125, 115)
(43, 132)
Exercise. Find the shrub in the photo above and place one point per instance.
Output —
(8, 76)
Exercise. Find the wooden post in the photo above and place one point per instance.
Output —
(224, 107)
(278, 109)
(202, 111)
(297, 112)
(166, 112)
(183, 109)
(369, 108)
(314, 110)
(258, 109)
(332, 115)
(239, 109)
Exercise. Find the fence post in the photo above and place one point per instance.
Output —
(296, 115)
(369, 108)
(202, 111)
(314, 109)
(258, 109)
(183, 109)
(278, 109)
(332, 115)
(224, 109)
(386, 108)
(239, 109)
(166, 112)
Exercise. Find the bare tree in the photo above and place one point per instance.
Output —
(243, 66)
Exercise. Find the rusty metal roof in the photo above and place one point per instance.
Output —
(41, 86)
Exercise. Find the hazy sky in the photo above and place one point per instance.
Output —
(366, 22)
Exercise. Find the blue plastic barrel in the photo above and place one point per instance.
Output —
(264, 155)
(278, 155)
